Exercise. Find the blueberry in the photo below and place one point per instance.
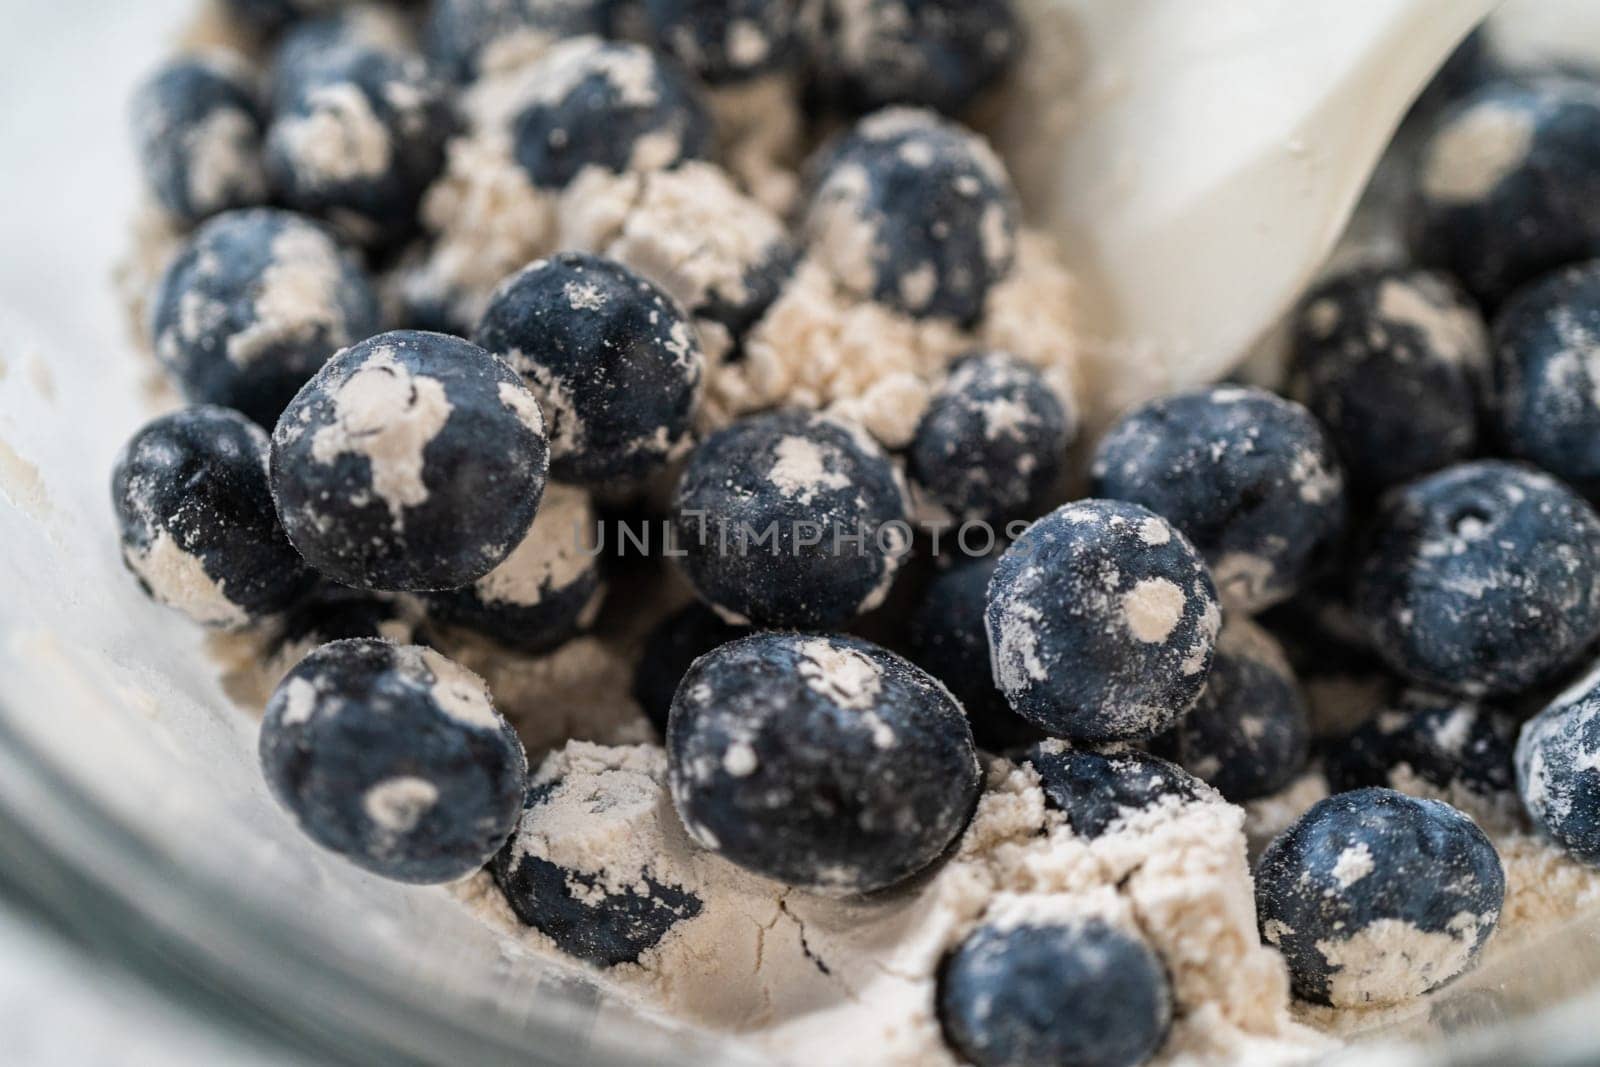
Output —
(927, 53)
(328, 40)
(1442, 741)
(270, 16)
(824, 762)
(993, 442)
(619, 107)
(254, 303)
(395, 758)
(1078, 990)
(602, 915)
(1546, 408)
(1250, 478)
(358, 137)
(1374, 897)
(916, 213)
(466, 38)
(614, 362)
(198, 124)
(1102, 619)
(1098, 790)
(948, 640)
(546, 591)
(1250, 733)
(194, 513)
(1482, 579)
(1558, 770)
(1395, 363)
(725, 40)
(670, 650)
(791, 519)
(1509, 184)
(333, 612)
(411, 462)
(1328, 647)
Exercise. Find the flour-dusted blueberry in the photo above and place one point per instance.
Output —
(671, 649)
(1547, 373)
(194, 514)
(1395, 362)
(356, 138)
(412, 462)
(791, 519)
(916, 213)
(615, 364)
(941, 54)
(1558, 769)
(824, 762)
(329, 39)
(563, 872)
(1097, 791)
(948, 640)
(469, 38)
(1508, 186)
(395, 758)
(726, 40)
(333, 612)
(1102, 620)
(1031, 987)
(1482, 579)
(1252, 479)
(253, 305)
(593, 103)
(546, 591)
(1439, 740)
(1374, 897)
(198, 124)
(993, 442)
(1250, 733)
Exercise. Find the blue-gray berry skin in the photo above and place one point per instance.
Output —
(253, 305)
(1250, 733)
(395, 758)
(1441, 740)
(824, 762)
(1098, 790)
(616, 106)
(993, 442)
(1081, 991)
(791, 519)
(726, 41)
(1395, 363)
(270, 16)
(1374, 897)
(197, 125)
(947, 639)
(1558, 770)
(460, 34)
(1546, 410)
(1483, 579)
(917, 213)
(1102, 619)
(670, 650)
(1251, 478)
(941, 54)
(613, 360)
(327, 40)
(195, 518)
(1508, 186)
(412, 462)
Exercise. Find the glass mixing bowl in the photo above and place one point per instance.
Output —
(131, 807)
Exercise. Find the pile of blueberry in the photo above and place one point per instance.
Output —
(344, 469)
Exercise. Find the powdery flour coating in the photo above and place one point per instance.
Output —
(253, 305)
(822, 762)
(395, 758)
(411, 462)
(726, 40)
(1252, 479)
(1102, 619)
(1558, 770)
(471, 38)
(1482, 579)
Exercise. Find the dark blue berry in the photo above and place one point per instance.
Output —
(395, 758)
(1440, 740)
(1374, 897)
(1558, 770)
(671, 649)
(466, 38)
(725, 40)
(1328, 646)
(411, 462)
(1098, 790)
(1102, 619)
(270, 16)
(823, 762)
(198, 125)
(328, 40)
(333, 612)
